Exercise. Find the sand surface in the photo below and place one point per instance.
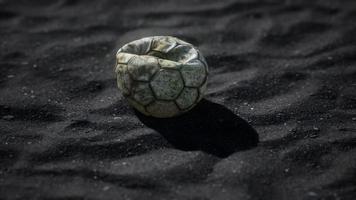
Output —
(278, 122)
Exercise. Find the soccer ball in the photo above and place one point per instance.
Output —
(161, 76)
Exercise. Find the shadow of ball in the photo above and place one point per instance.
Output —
(209, 127)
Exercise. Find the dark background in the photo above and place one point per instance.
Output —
(282, 69)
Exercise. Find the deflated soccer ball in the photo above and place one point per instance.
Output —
(161, 76)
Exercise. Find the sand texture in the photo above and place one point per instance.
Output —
(278, 120)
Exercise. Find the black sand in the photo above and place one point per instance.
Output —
(283, 69)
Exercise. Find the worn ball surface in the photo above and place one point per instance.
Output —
(161, 76)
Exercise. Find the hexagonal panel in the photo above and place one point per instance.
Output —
(163, 44)
(162, 109)
(142, 93)
(187, 98)
(123, 79)
(193, 73)
(137, 106)
(182, 53)
(169, 64)
(167, 84)
(120, 85)
(124, 83)
(142, 67)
